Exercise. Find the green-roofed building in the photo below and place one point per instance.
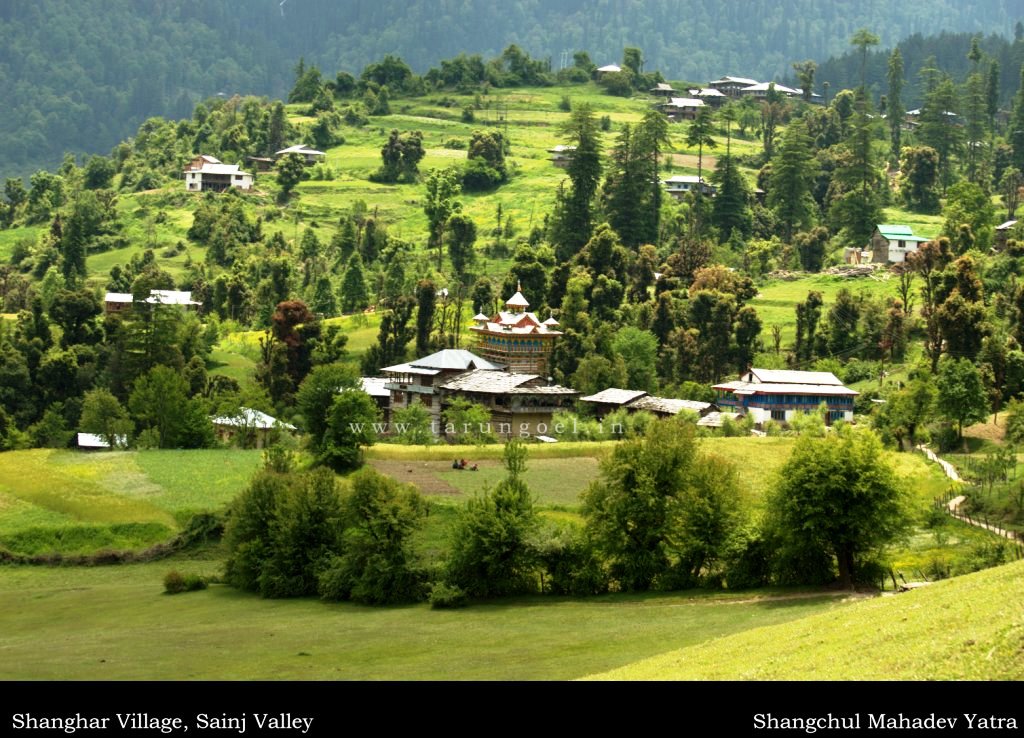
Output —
(890, 244)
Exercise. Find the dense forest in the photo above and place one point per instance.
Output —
(81, 76)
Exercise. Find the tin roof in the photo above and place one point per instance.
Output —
(614, 396)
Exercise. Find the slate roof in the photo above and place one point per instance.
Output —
(716, 419)
(668, 405)
(501, 383)
(614, 396)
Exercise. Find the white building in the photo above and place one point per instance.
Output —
(680, 184)
(777, 394)
(205, 174)
(311, 156)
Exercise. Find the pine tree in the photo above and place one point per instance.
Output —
(789, 192)
(574, 220)
(895, 103)
(354, 295)
(730, 210)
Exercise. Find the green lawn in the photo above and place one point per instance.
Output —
(116, 623)
(76, 502)
(964, 628)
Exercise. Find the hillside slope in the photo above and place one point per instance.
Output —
(125, 61)
(970, 627)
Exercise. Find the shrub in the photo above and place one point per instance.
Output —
(447, 597)
(174, 582)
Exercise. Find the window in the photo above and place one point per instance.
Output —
(778, 414)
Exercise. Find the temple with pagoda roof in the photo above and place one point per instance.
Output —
(516, 337)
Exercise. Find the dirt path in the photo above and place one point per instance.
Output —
(953, 506)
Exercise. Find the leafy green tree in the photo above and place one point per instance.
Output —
(377, 565)
(862, 39)
(308, 82)
(962, 398)
(411, 425)
(466, 421)
(443, 187)
(967, 203)
(461, 237)
(291, 169)
(392, 338)
(805, 76)
(106, 417)
(316, 394)
(659, 514)
(810, 248)
(789, 190)
(1016, 126)
(351, 424)
(838, 497)
(401, 156)
(492, 553)
(639, 349)
(1011, 185)
(161, 405)
(75, 312)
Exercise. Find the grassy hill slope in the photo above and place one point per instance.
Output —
(970, 627)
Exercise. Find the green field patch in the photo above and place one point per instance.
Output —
(116, 623)
(193, 481)
(85, 539)
(76, 485)
(964, 628)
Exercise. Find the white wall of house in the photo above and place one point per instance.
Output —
(898, 250)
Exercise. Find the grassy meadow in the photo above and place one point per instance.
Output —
(116, 623)
(970, 627)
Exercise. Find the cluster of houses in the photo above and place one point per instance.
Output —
(679, 108)
(506, 375)
(209, 174)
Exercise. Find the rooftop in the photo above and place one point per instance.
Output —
(668, 405)
(614, 396)
(246, 417)
(374, 386)
(788, 376)
(299, 149)
(445, 360)
(899, 233)
(497, 383)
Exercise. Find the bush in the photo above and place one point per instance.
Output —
(447, 597)
(572, 565)
(477, 176)
(174, 582)
(467, 114)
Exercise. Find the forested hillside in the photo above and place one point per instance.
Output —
(80, 76)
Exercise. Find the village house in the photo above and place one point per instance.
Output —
(731, 86)
(682, 108)
(613, 398)
(417, 381)
(890, 244)
(678, 185)
(376, 388)
(249, 428)
(662, 89)
(519, 404)
(561, 155)
(608, 69)
(709, 95)
(207, 174)
(309, 156)
(260, 163)
(1002, 234)
(777, 394)
(516, 338)
(760, 90)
